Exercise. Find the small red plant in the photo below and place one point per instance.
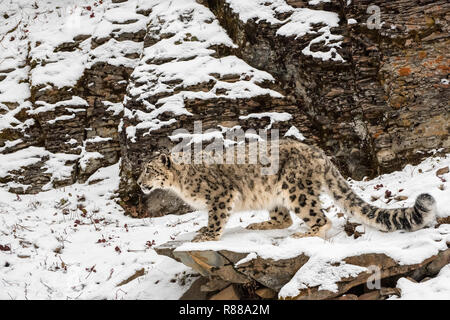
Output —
(150, 244)
(91, 269)
(5, 247)
(102, 240)
(378, 187)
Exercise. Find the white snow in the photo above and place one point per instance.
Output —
(434, 289)
(224, 136)
(54, 246)
(21, 158)
(55, 163)
(294, 132)
(273, 116)
(298, 24)
(8, 120)
(61, 118)
(174, 64)
(260, 10)
(45, 107)
(115, 108)
(31, 35)
(9, 144)
(319, 272)
(54, 27)
(302, 20)
(316, 2)
(251, 256)
(97, 139)
(405, 248)
(56, 237)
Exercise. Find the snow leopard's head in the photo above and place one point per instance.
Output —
(156, 174)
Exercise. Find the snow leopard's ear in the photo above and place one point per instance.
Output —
(165, 159)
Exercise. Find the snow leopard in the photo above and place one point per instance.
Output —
(304, 173)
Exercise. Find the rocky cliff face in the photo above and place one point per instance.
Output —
(67, 69)
(84, 85)
(377, 100)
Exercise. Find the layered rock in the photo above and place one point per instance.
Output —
(313, 268)
(377, 95)
(77, 61)
(186, 74)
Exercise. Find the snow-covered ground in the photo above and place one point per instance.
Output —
(436, 288)
(76, 243)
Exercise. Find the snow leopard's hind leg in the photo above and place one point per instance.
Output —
(279, 219)
(304, 201)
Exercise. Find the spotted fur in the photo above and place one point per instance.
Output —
(304, 173)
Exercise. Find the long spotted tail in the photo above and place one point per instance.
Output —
(423, 212)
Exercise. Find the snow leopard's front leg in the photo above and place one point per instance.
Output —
(218, 214)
